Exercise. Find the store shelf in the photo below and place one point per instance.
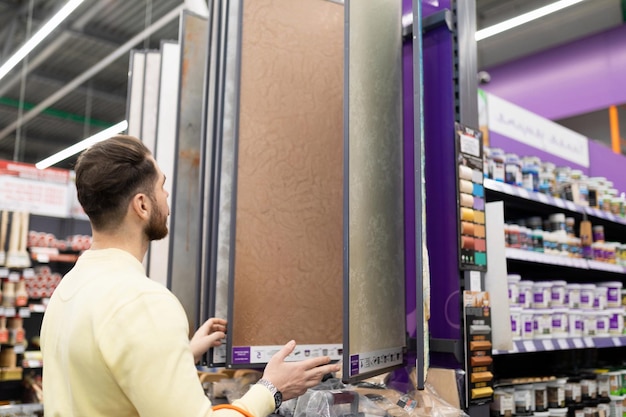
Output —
(23, 312)
(563, 343)
(522, 193)
(542, 258)
(20, 409)
(46, 255)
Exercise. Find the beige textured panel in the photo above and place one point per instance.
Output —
(377, 316)
(288, 249)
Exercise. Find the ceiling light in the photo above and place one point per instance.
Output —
(82, 145)
(41, 34)
(524, 18)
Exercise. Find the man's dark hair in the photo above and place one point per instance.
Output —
(109, 174)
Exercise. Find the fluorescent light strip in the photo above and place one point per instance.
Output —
(82, 145)
(41, 34)
(524, 18)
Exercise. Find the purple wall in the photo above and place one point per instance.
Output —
(576, 78)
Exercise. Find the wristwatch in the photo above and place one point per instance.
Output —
(278, 396)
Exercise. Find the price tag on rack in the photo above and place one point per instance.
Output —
(578, 343)
(562, 344)
(24, 313)
(589, 342)
(4, 272)
(547, 344)
(529, 346)
(14, 276)
(617, 342)
(28, 273)
(522, 192)
(543, 198)
(559, 203)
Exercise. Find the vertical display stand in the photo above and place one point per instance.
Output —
(450, 55)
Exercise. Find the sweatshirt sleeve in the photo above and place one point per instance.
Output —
(145, 344)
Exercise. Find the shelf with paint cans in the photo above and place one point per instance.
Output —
(524, 196)
(562, 261)
(563, 343)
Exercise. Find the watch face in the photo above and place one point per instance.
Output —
(278, 399)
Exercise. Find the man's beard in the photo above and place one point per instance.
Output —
(157, 226)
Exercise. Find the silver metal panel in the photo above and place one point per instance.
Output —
(374, 313)
(165, 149)
(225, 132)
(150, 99)
(134, 107)
(185, 211)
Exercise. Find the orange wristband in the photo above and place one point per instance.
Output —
(233, 407)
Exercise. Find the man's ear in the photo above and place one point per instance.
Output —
(141, 205)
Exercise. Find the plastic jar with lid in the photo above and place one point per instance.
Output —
(598, 233)
(557, 293)
(538, 245)
(589, 322)
(503, 402)
(573, 393)
(602, 322)
(525, 296)
(523, 397)
(600, 297)
(615, 382)
(546, 183)
(540, 390)
(549, 242)
(589, 386)
(613, 294)
(572, 295)
(616, 321)
(512, 169)
(597, 251)
(542, 292)
(560, 323)
(531, 166)
(513, 287)
(587, 296)
(497, 164)
(557, 222)
(609, 252)
(516, 322)
(542, 323)
(514, 236)
(603, 382)
(556, 393)
(527, 319)
(616, 406)
(616, 206)
(575, 328)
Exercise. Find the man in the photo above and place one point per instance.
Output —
(116, 343)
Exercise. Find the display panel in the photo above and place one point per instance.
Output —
(287, 261)
(185, 214)
(374, 333)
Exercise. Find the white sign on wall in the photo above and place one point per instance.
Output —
(36, 197)
(517, 123)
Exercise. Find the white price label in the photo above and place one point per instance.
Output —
(589, 342)
(562, 344)
(570, 206)
(578, 343)
(548, 345)
(4, 272)
(24, 313)
(14, 276)
(9, 311)
(44, 258)
(523, 193)
(617, 342)
(559, 203)
(529, 346)
(28, 273)
(542, 198)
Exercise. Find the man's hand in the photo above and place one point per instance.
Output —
(294, 378)
(209, 335)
